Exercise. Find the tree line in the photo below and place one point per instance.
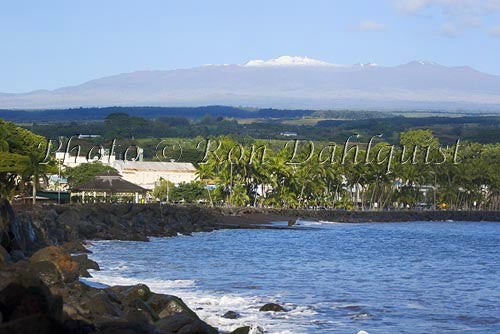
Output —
(467, 178)
(94, 114)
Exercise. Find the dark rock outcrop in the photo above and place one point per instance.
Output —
(75, 247)
(231, 315)
(68, 225)
(184, 323)
(42, 293)
(247, 330)
(4, 256)
(241, 330)
(167, 305)
(272, 307)
(28, 306)
(68, 268)
(85, 264)
(47, 272)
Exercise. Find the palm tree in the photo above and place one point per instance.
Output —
(34, 170)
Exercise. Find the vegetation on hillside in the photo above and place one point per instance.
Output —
(126, 127)
(94, 114)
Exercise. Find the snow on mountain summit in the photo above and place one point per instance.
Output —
(284, 82)
(288, 61)
(418, 63)
(366, 65)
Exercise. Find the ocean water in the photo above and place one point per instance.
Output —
(417, 277)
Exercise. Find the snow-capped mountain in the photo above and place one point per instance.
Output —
(289, 61)
(284, 82)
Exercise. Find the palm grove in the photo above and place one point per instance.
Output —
(468, 178)
(454, 179)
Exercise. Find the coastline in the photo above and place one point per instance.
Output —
(250, 217)
(37, 243)
(140, 221)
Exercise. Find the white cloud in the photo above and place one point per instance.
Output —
(411, 6)
(470, 21)
(450, 30)
(450, 7)
(370, 26)
(495, 32)
(459, 15)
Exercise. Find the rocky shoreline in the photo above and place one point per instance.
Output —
(42, 258)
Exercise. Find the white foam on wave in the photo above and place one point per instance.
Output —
(316, 223)
(329, 222)
(211, 306)
(155, 284)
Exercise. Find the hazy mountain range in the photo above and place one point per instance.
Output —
(284, 82)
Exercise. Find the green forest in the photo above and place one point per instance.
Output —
(464, 178)
(482, 129)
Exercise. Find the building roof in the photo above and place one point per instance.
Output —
(109, 182)
(154, 166)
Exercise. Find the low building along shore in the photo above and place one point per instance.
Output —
(147, 173)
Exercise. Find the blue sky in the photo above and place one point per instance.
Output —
(50, 44)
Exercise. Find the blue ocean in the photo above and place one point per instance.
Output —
(412, 277)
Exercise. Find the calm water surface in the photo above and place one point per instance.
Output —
(418, 277)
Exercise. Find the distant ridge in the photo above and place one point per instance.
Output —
(93, 114)
(284, 82)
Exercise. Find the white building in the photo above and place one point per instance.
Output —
(67, 160)
(142, 173)
(289, 134)
(147, 173)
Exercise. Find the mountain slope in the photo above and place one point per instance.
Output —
(286, 82)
